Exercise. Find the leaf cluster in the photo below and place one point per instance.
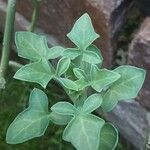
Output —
(78, 69)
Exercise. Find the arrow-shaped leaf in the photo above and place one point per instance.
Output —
(32, 122)
(39, 72)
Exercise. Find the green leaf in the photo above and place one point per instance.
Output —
(82, 33)
(82, 83)
(63, 108)
(71, 53)
(39, 72)
(108, 137)
(94, 49)
(83, 132)
(60, 119)
(102, 78)
(32, 122)
(79, 73)
(125, 88)
(92, 103)
(109, 101)
(91, 57)
(130, 83)
(31, 46)
(55, 52)
(62, 66)
(69, 84)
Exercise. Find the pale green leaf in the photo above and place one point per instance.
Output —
(39, 72)
(69, 84)
(108, 137)
(79, 73)
(63, 108)
(62, 66)
(125, 88)
(60, 119)
(32, 122)
(131, 81)
(31, 46)
(82, 33)
(92, 103)
(93, 48)
(109, 101)
(71, 53)
(82, 83)
(83, 132)
(91, 57)
(102, 78)
(55, 52)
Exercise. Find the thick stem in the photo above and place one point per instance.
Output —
(8, 33)
(35, 15)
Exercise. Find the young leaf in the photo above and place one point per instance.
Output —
(82, 33)
(102, 78)
(63, 108)
(91, 57)
(69, 84)
(109, 101)
(55, 52)
(94, 49)
(92, 103)
(79, 73)
(32, 122)
(62, 66)
(71, 53)
(125, 88)
(39, 72)
(83, 132)
(60, 119)
(108, 137)
(82, 83)
(31, 46)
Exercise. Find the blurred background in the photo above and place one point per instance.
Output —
(124, 26)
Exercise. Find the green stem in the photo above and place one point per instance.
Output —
(35, 15)
(7, 41)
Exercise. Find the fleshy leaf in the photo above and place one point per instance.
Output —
(83, 132)
(39, 72)
(82, 33)
(55, 52)
(32, 122)
(62, 66)
(125, 88)
(92, 103)
(31, 46)
(71, 53)
(60, 119)
(108, 137)
(69, 84)
(91, 57)
(102, 78)
(63, 108)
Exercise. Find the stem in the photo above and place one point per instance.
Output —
(15, 65)
(35, 15)
(7, 41)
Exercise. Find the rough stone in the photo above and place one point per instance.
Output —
(139, 55)
(132, 121)
(57, 18)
